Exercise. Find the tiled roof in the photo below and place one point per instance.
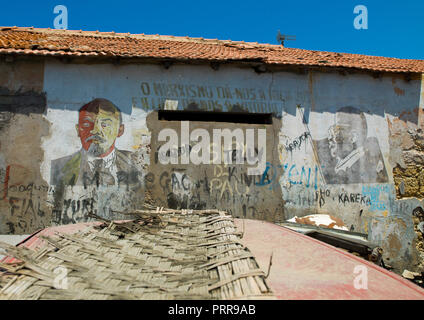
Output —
(51, 42)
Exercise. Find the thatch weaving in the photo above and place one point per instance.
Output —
(159, 254)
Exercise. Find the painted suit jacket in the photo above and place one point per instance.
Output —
(75, 170)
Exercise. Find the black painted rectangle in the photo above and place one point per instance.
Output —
(215, 116)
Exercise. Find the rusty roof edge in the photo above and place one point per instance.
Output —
(183, 59)
(101, 54)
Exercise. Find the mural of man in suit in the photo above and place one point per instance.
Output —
(98, 162)
(348, 155)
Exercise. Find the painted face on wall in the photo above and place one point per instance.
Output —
(338, 141)
(346, 135)
(98, 127)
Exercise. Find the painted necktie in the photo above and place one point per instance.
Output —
(105, 177)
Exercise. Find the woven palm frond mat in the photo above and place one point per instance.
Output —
(159, 254)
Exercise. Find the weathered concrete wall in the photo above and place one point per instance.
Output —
(222, 185)
(348, 145)
(23, 204)
(341, 158)
(143, 89)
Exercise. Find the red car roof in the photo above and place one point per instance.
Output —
(302, 267)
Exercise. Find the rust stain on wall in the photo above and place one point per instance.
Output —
(394, 244)
(22, 76)
(396, 89)
(399, 91)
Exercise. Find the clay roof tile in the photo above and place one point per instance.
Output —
(48, 41)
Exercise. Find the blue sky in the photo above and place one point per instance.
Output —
(395, 28)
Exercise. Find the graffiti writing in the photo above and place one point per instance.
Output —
(347, 198)
(270, 177)
(321, 195)
(223, 98)
(373, 193)
(30, 187)
(297, 142)
(303, 175)
(74, 211)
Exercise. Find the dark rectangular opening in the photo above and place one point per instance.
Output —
(215, 116)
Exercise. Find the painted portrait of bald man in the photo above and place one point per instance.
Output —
(348, 155)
